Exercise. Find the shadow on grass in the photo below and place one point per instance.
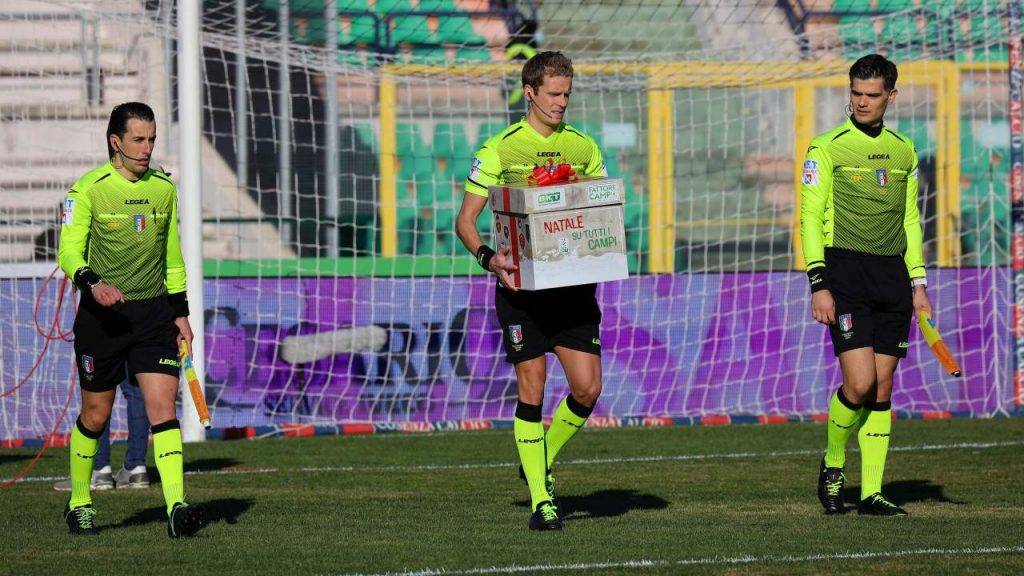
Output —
(5, 458)
(905, 492)
(210, 464)
(226, 510)
(604, 504)
(197, 466)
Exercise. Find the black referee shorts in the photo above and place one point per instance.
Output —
(112, 343)
(534, 322)
(874, 301)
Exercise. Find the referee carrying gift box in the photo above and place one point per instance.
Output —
(565, 234)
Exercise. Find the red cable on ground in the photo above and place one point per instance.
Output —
(54, 333)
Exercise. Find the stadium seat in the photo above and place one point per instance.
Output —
(487, 129)
(857, 33)
(411, 30)
(435, 203)
(438, 6)
(389, 6)
(412, 154)
(307, 30)
(895, 5)
(458, 30)
(841, 6)
(360, 30)
(316, 7)
(433, 56)
(366, 136)
(351, 57)
(985, 26)
(406, 216)
(917, 131)
(473, 55)
(450, 141)
(900, 31)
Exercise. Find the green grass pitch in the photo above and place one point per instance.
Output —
(685, 500)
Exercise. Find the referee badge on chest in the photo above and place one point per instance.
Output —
(883, 176)
(140, 223)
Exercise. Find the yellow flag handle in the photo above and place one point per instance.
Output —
(934, 340)
(193, 385)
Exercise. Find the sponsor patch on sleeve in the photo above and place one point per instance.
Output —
(69, 212)
(474, 171)
(810, 173)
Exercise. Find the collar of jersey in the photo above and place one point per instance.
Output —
(117, 174)
(533, 130)
(853, 128)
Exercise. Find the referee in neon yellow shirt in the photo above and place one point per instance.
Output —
(566, 320)
(861, 234)
(119, 243)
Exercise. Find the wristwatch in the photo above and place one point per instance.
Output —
(922, 281)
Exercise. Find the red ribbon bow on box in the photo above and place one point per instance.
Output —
(551, 173)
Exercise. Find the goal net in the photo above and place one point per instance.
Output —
(337, 137)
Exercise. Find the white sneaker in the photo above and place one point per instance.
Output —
(135, 478)
(102, 479)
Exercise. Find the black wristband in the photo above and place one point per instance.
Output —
(483, 256)
(179, 303)
(85, 278)
(817, 279)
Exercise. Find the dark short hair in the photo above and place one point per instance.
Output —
(120, 116)
(545, 64)
(874, 66)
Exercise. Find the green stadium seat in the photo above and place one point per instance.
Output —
(434, 56)
(901, 31)
(415, 161)
(995, 53)
(361, 30)
(366, 135)
(438, 6)
(435, 202)
(985, 26)
(894, 5)
(487, 129)
(412, 30)
(389, 6)
(857, 33)
(307, 30)
(851, 6)
(590, 129)
(917, 131)
(473, 55)
(458, 30)
(450, 141)
(318, 7)
(351, 57)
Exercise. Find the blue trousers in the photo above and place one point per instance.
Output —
(138, 432)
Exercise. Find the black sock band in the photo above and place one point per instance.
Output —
(528, 412)
(576, 408)
(165, 426)
(86, 432)
(878, 406)
(843, 400)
